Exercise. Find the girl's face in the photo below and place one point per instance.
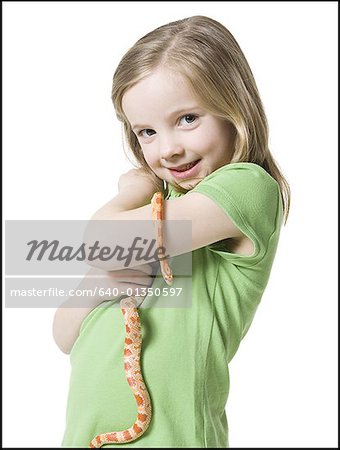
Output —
(181, 142)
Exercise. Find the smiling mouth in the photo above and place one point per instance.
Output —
(184, 167)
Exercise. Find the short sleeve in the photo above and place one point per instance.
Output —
(252, 200)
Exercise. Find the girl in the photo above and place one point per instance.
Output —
(194, 120)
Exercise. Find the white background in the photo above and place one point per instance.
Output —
(62, 159)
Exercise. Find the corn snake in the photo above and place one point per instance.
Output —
(133, 344)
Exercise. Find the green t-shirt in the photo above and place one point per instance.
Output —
(186, 350)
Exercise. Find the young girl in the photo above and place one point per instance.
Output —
(194, 120)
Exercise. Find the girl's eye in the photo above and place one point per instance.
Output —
(147, 132)
(188, 119)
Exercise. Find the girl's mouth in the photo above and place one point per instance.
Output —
(187, 171)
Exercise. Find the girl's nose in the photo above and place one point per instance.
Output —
(169, 148)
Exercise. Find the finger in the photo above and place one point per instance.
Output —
(141, 270)
(146, 268)
(140, 281)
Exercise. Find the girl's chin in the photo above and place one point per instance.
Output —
(187, 185)
(190, 184)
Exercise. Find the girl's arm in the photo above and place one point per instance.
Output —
(208, 222)
(136, 188)
(70, 315)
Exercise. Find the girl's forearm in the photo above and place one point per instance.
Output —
(131, 204)
(126, 200)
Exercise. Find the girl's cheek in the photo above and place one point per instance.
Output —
(149, 157)
(197, 143)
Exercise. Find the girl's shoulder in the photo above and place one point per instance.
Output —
(234, 175)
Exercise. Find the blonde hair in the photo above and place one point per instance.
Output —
(206, 54)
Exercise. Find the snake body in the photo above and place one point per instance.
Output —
(133, 345)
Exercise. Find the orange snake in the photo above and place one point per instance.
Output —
(132, 348)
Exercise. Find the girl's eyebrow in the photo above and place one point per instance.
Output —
(172, 114)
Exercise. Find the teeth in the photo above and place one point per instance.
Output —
(187, 167)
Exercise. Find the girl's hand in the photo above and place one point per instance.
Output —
(139, 180)
(123, 282)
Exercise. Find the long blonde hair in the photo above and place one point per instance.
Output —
(207, 55)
